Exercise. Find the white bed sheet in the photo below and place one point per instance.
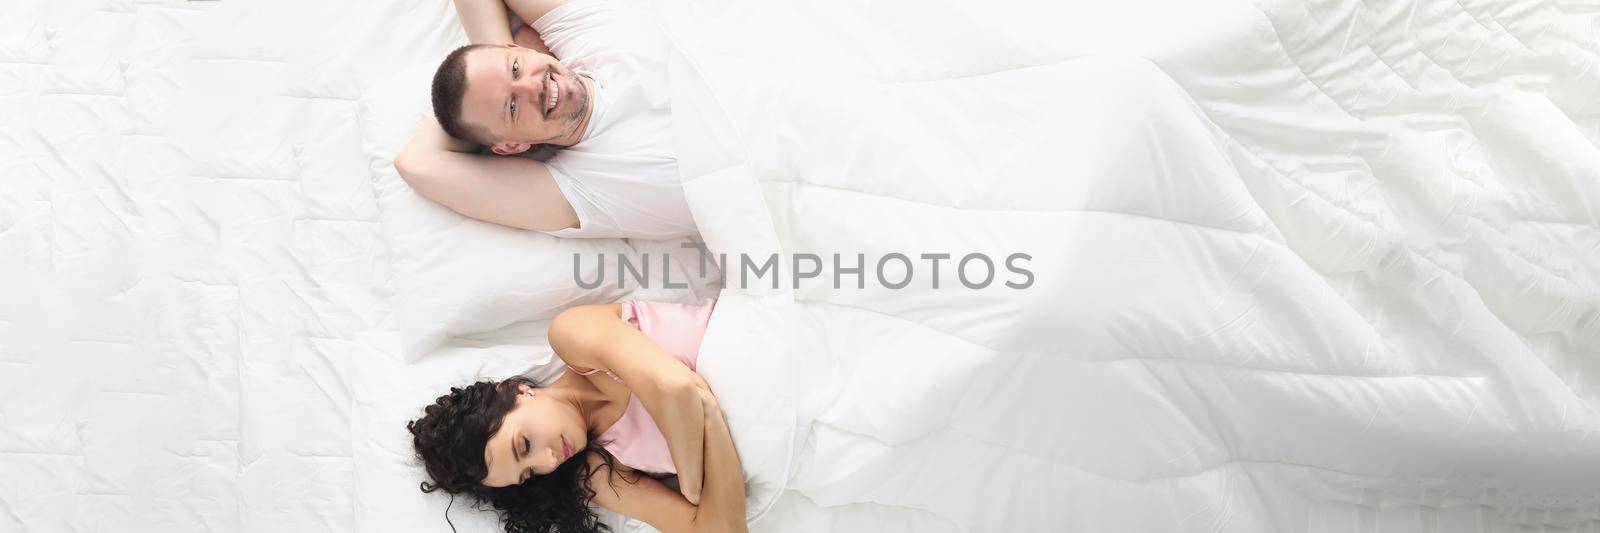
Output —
(197, 319)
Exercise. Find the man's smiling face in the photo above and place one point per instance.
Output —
(522, 97)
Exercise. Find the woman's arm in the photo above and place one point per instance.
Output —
(644, 498)
(595, 336)
(722, 506)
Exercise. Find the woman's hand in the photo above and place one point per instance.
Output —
(709, 400)
(722, 507)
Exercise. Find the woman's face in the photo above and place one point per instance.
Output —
(535, 437)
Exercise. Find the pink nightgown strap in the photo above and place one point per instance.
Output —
(593, 370)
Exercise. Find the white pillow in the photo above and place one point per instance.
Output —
(456, 276)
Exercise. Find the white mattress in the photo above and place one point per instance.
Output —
(1323, 265)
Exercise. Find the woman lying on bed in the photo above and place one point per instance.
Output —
(628, 411)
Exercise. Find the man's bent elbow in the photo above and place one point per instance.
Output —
(406, 164)
(415, 171)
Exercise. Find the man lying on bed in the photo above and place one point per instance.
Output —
(604, 104)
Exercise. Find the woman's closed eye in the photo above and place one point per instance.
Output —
(526, 446)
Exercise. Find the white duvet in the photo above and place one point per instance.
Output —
(1329, 266)
(1297, 266)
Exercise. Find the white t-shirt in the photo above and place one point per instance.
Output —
(622, 176)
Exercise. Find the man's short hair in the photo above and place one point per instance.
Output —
(450, 90)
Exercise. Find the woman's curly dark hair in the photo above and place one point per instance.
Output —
(450, 438)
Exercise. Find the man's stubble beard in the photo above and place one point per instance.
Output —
(580, 113)
(578, 116)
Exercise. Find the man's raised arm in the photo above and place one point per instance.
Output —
(486, 21)
(510, 191)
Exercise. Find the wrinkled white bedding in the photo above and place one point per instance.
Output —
(1318, 266)
(203, 307)
(1322, 265)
